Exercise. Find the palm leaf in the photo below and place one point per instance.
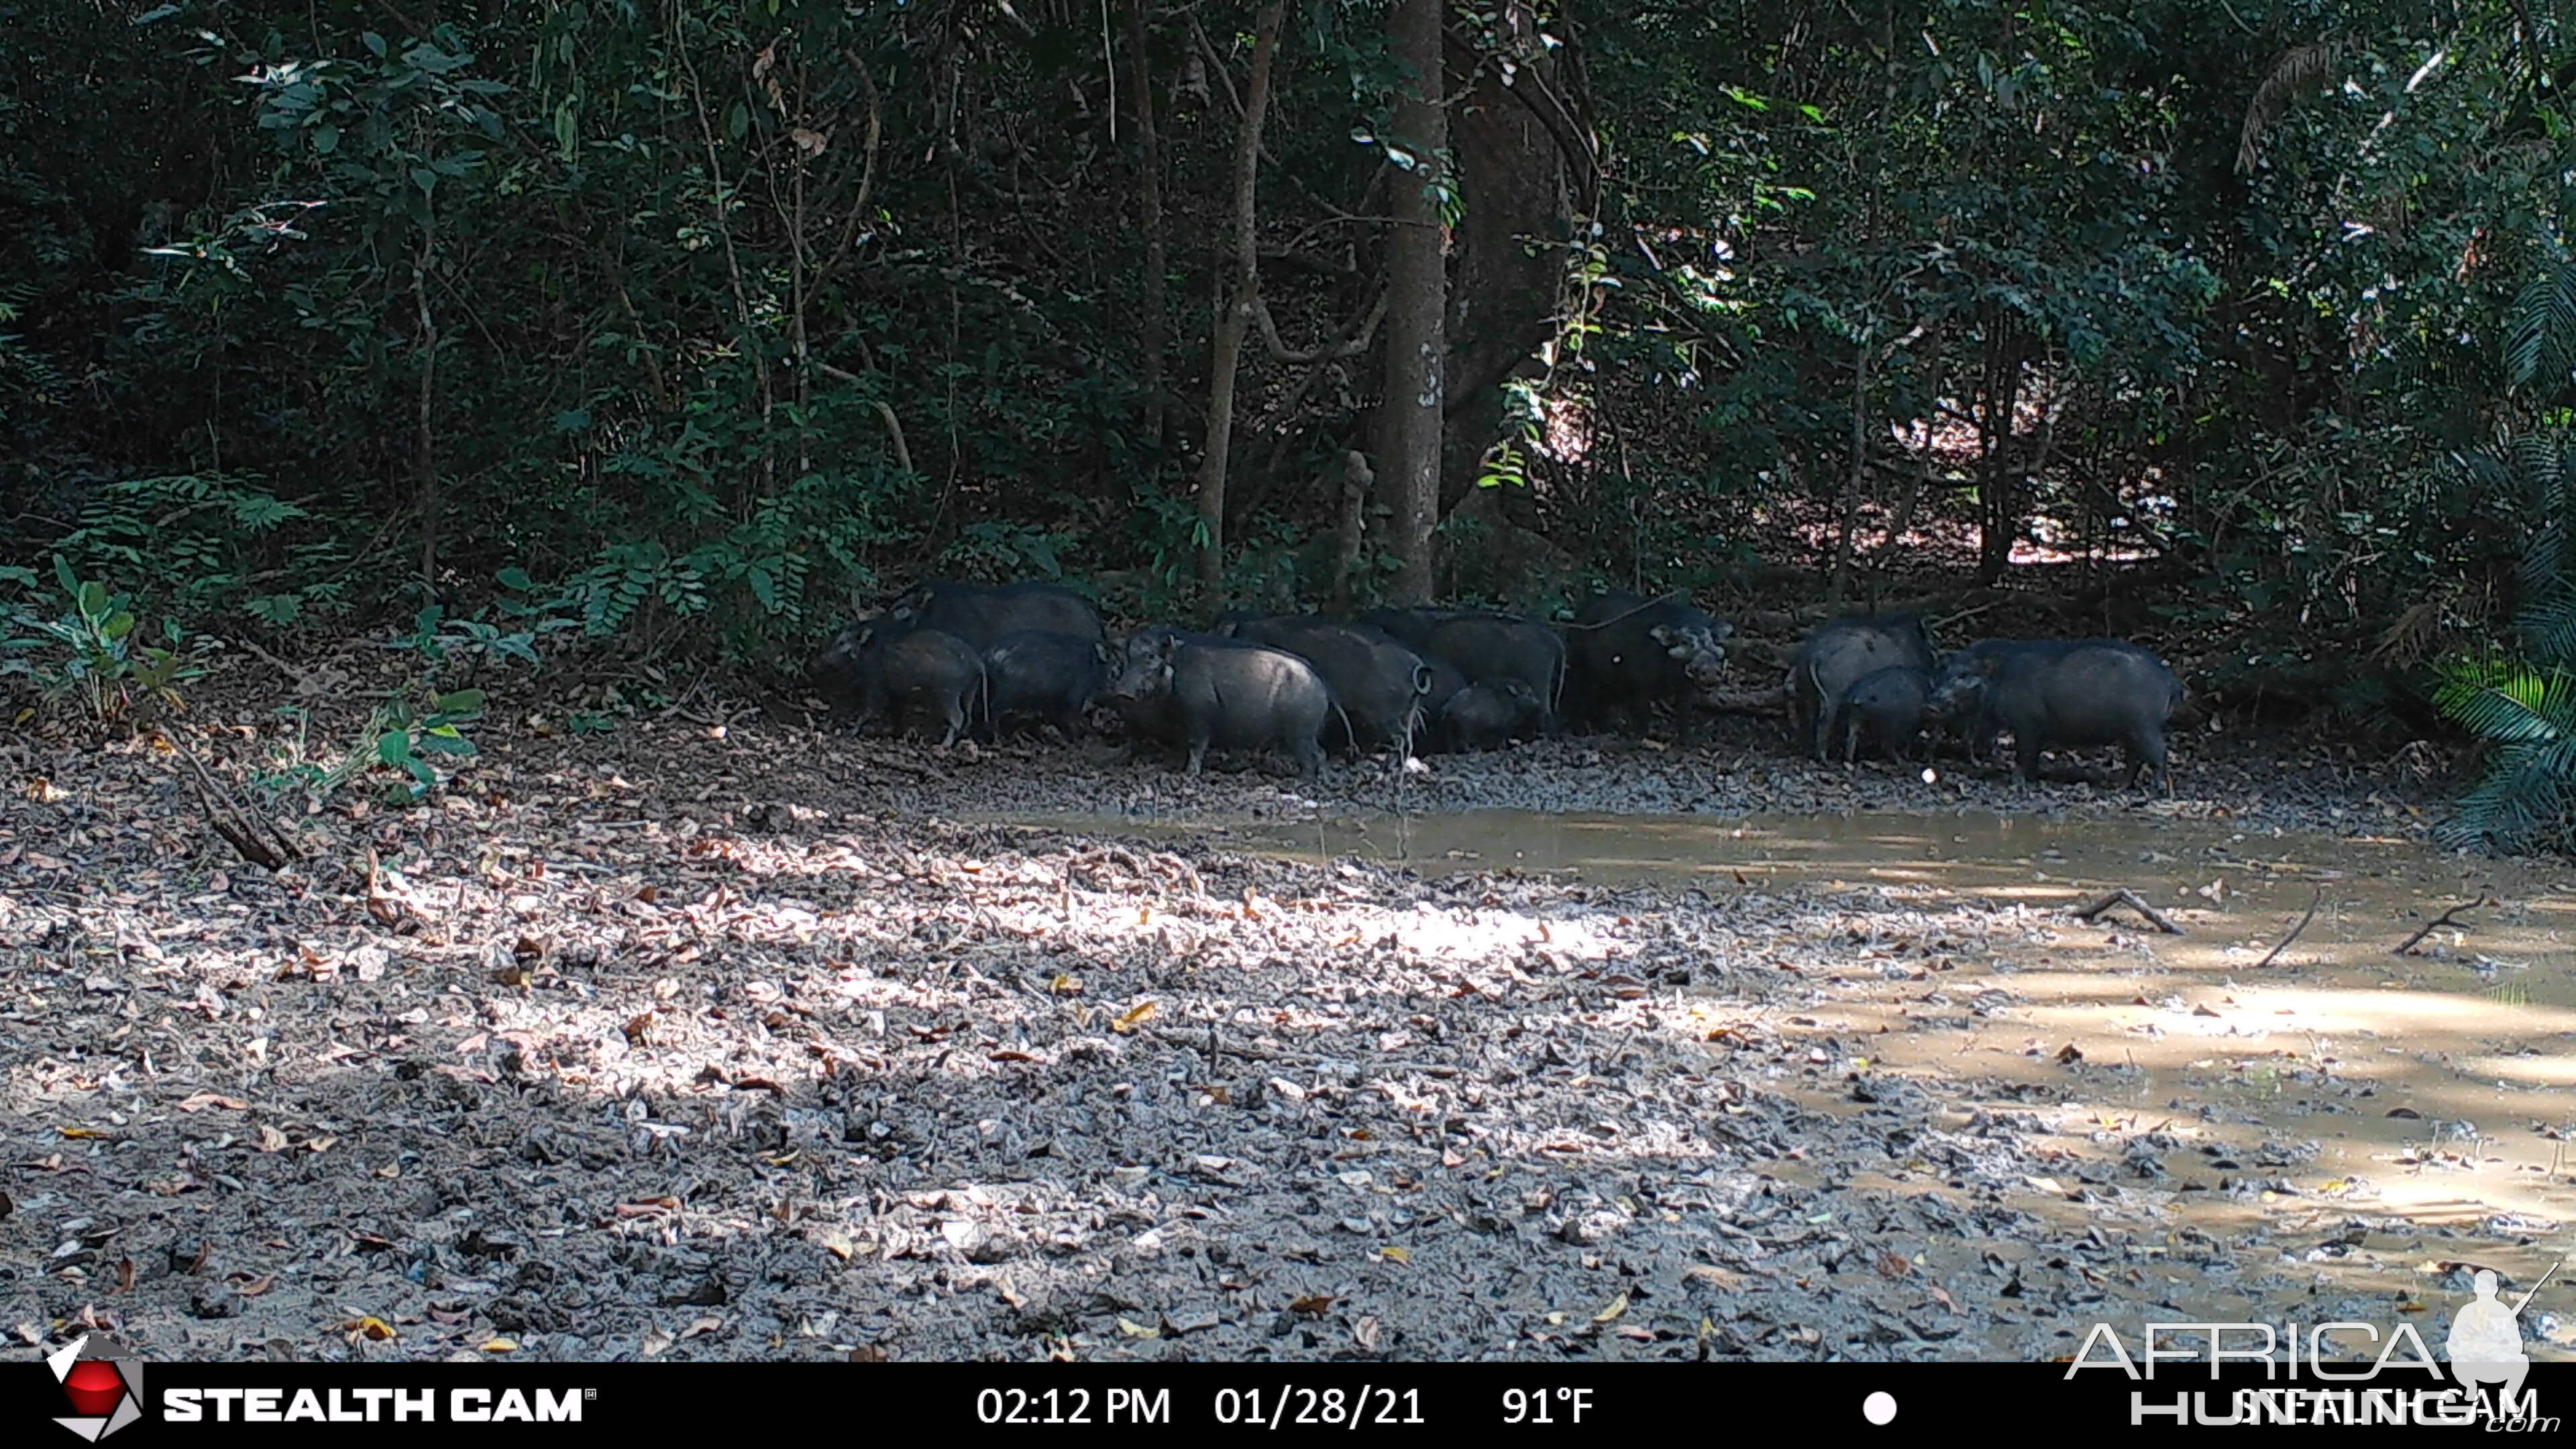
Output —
(2510, 702)
(2296, 69)
(2548, 629)
(2521, 802)
(2540, 332)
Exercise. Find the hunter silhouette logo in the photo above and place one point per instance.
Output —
(104, 1383)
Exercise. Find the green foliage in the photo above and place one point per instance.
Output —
(85, 649)
(207, 543)
(2522, 703)
(733, 311)
(2527, 713)
(407, 735)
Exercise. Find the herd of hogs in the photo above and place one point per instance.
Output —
(959, 658)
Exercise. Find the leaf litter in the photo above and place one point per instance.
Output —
(692, 1044)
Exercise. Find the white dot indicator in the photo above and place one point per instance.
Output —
(1878, 1408)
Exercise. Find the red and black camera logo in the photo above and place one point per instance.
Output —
(104, 1383)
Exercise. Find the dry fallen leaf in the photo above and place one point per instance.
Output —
(369, 1327)
(1138, 1330)
(272, 1140)
(1312, 1303)
(1135, 1018)
(1616, 1307)
(200, 1101)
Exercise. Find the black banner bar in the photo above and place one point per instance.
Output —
(650, 1403)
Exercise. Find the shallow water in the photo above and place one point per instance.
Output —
(2439, 1087)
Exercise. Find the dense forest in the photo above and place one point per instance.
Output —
(681, 329)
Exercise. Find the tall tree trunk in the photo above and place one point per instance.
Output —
(1149, 207)
(1417, 300)
(1857, 474)
(1235, 320)
(1527, 176)
(424, 453)
(1996, 481)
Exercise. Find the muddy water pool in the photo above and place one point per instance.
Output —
(2336, 1087)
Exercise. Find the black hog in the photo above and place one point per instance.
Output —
(1486, 647)
(1446, 682)
(1976, 727)
(1833, 658)
(2069, 695)
(1884, 708)
(981, 614)
(1488, 716)
(1203, 690)
(910, 674)
(1047, 677)
(1412, 626)
(1626, 654)
(1378, 682)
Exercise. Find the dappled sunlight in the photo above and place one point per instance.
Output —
(997, 1072)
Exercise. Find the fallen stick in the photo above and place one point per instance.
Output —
(2126, 897)
(2444, 919)
(2313, 903)
(253, 836)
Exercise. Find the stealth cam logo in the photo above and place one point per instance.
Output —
(105, 1384)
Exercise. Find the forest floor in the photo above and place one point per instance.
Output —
(754, 1040)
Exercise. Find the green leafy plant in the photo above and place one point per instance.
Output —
(476, 643)
(406, 735)
(89, 651)
(2522, 701)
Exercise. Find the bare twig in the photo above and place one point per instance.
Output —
(1347, 344)
(2444, 919)
(2276, 951)
(2126, 897)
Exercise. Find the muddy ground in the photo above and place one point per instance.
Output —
(744, 1040)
